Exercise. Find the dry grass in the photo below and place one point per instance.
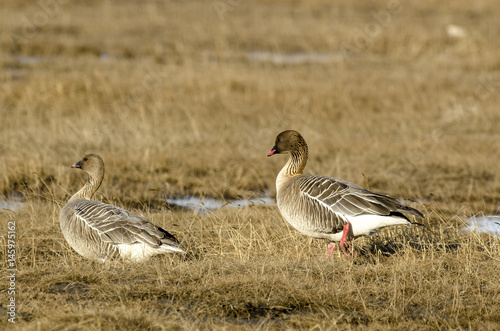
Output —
(247, 270)
(167, 94)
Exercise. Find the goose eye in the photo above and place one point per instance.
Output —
(85, 159)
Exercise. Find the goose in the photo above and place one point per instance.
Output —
(326, 207)
(102, 232)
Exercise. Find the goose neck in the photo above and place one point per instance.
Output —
(296, 163)
(91, 186)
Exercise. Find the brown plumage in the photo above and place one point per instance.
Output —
(100, 231)
(326, 207)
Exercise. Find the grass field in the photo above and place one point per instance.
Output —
(185, 98)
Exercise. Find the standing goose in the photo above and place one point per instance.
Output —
(326, 207)
(102, 232)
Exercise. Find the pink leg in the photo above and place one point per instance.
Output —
(344, 240)
(329, 250)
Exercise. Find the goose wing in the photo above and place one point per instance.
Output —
(119, 226)
(333, 201)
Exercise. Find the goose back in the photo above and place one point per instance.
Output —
(320, 206)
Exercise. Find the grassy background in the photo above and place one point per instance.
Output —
(168, 93)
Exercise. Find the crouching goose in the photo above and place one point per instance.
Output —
(101, 232)
(329, 208)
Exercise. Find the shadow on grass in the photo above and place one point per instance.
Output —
(420, 240)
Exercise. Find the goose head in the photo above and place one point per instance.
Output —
(288, 141)
(90, 163)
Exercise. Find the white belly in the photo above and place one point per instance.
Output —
(367, 225)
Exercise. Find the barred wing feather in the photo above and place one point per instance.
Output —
(119, 226)
(335, 201)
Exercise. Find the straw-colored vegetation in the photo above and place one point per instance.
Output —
(176, 100)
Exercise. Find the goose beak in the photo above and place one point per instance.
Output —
(77, 165)
(272, 151)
